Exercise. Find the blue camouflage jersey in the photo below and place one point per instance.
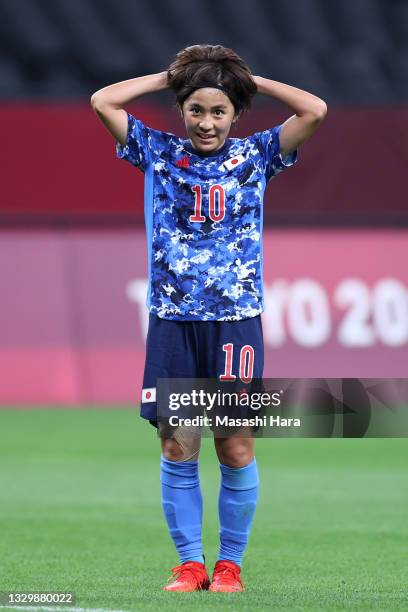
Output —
(203, 218)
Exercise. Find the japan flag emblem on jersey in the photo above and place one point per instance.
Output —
(148, 395)
(232, 163)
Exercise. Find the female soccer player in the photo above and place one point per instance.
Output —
(203, 213)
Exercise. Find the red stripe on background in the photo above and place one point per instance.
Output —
(60, 159)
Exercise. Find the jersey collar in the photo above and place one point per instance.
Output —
(189, 148)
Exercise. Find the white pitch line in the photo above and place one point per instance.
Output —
(61, 609)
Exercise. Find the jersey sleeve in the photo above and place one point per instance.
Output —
(139, 144)
(269, 146)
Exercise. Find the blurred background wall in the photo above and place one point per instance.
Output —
(72, 247)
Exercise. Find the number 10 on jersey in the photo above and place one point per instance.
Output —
(216, 197)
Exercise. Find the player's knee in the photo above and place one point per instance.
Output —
(237, 454)
(238, 460)
(172, 451)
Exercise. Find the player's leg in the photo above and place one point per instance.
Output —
(236, 506)
(181, 494)
(182, 506)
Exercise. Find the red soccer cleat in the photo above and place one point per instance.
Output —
(190, 576)
(226, 578)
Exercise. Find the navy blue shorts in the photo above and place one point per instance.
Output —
(199, 349)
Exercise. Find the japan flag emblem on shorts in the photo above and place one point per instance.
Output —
(148, 395)
(232, 163)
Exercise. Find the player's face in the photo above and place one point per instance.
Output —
(208, 115)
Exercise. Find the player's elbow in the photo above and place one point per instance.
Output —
(320, 110)
(99, 102)
(96, 101)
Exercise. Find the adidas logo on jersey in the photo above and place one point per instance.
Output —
(184, 162)
(232, 163)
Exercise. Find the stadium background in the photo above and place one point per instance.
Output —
(73, 277)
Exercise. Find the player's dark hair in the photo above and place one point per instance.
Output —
(211, 65)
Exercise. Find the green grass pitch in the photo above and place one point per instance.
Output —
(80, 511)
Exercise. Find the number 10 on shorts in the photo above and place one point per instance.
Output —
(246, 363)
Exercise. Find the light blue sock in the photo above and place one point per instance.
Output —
(236, 506)
(183, 507)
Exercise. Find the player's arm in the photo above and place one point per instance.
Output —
(309, 112)
(109, 102)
